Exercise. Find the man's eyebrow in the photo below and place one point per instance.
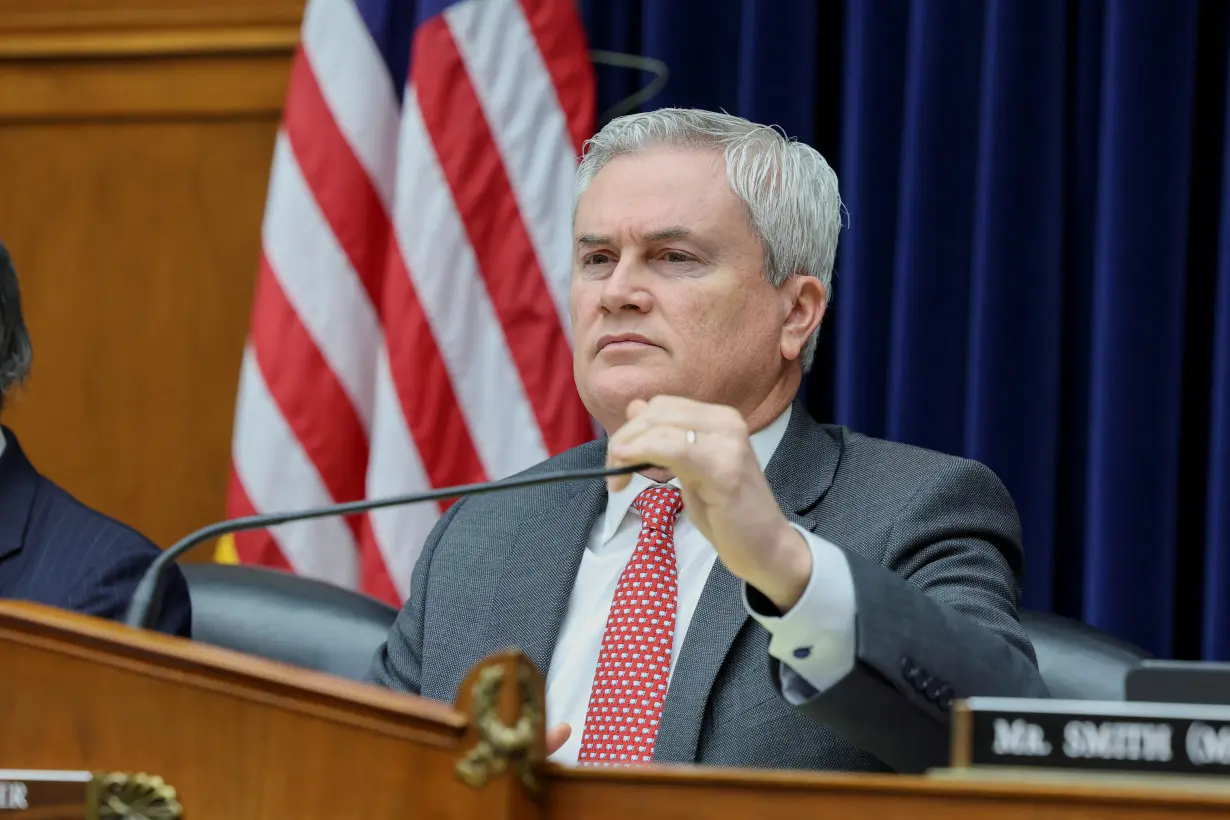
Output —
(673, 232)
(589, 240)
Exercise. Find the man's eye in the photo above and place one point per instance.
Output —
(597, 259)
(676, 256)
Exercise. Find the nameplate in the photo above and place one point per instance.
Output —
(55, 795)
(1091, 735)
(48, 794)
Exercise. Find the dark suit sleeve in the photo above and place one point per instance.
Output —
(106, 589)
(398, 662)
(937, 621)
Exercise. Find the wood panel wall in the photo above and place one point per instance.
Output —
(135, 143)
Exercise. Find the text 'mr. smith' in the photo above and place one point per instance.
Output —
(1087, 739)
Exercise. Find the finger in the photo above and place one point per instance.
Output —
(616, 483)
(619, 448)
(557, 736)
(630, 430)
(635, 408)
(663, 446)
(636, 431)
(636, 423)
(682, 413)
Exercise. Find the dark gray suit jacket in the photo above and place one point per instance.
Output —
(934, 547)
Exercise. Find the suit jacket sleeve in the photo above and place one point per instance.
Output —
(107, 589)
(936, 621)
(398, 662)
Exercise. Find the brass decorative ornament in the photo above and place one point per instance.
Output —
(500, 745)
(115, 796)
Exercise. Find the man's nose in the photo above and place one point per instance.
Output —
(625, 289)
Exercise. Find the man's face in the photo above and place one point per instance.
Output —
(669, 294)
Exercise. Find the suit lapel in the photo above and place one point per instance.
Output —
(718, 618)
(540, 569)
(802, 468)
(799, 473)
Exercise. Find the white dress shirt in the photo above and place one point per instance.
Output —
(814, 640)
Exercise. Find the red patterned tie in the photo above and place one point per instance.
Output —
(625, 705)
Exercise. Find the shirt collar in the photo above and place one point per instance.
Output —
(764, 444)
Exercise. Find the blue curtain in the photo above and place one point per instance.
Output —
(1036, 271)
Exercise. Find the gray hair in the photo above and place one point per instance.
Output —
(788, 189)
(15, 351)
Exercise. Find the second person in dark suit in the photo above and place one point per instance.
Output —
(53, 549)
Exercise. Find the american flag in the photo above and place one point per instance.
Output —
(410, 325)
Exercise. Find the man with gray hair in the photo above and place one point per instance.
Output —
(778, 593)
(53, 549)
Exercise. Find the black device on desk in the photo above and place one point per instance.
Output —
(1179, 682)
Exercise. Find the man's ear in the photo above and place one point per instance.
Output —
(807, 301)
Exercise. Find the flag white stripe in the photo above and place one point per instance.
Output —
(523, 112)
(277, 475)
(319, 282)
(449, 284)
(394, 469)
(356, 86)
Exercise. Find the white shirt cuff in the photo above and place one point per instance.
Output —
(814, 641)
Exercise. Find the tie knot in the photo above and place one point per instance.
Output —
(659, 505)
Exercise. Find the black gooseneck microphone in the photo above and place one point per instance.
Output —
(147, 599)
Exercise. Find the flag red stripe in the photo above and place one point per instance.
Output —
(561, 41)
(256, 546)
(423, 387)
(349, 201)
(475, 172)
(307, 392)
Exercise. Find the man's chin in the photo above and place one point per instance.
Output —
(614, 388)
